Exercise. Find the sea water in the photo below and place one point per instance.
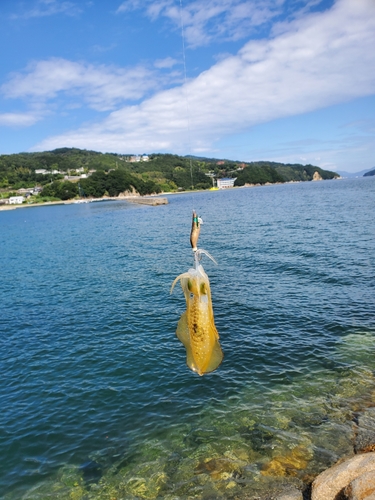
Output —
(96, 399)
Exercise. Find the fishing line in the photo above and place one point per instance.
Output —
(186, 95)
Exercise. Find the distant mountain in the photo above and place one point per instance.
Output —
(361, 173)
(370, 173)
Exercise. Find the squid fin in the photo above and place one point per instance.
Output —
(216, 357)
(183, 335)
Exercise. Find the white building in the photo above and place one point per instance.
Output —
(16, 200)
(226, 182)
(137, 158)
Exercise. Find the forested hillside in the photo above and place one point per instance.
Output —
(69, 172)
(261, 172)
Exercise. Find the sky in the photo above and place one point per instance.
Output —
(280, 80)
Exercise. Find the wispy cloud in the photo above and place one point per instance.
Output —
(43, 8)
(100, 87)
(168, 62)
(129, 5)
(19, 119)
(212, 20)
(321, 59)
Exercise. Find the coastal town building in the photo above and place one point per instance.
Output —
(43, 171)
(226, 182)
(16, 200)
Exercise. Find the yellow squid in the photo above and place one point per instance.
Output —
(196, 328)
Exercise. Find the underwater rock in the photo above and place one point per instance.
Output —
(309, 420)
(292, 494)
(199, 436)
(146, 487)
(289, 464)
(362, 487)
(218, 468)
(365, 435)
(258, 436)
(91, 472)
(330, 484)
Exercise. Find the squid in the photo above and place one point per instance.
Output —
(196, 328)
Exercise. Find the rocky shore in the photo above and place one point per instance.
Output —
(352, 477)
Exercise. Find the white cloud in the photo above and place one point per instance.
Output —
(101, 87)
(18, 119)
(43, 8)
(205, 21)
(168, 62)
(209, 20)
(128, 6)
(323, 59)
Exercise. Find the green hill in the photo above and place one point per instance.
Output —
(262, 172)
(58, 172)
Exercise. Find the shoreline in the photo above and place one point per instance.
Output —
(134, 199)
(137, 199)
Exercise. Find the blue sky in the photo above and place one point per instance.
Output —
(280, 80)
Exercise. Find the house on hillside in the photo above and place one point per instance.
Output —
(137, 158)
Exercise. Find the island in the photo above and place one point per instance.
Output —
(74, 174)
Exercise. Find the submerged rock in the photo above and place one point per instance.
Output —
(199, 436)
(365, 435)
(289, 464)
(258, 436)
(91, 471)
(331, 483)
(219, 468)
(291, 494)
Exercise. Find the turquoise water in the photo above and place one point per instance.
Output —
(96, 399)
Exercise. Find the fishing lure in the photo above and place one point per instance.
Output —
(196, 328)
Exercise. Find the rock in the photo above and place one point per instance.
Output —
(362, 488)
(317, 176)
(289, 464)
(218, 468)
(292, 494)
(260, 437)
(365, 436)
(330, 484)
(91, 471)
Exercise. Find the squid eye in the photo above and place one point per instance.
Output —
(203, 288)
(190, 285)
